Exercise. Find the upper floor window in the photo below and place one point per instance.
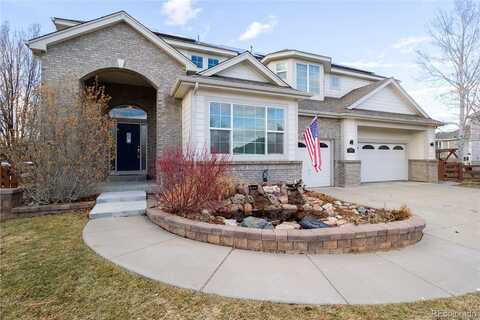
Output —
(198, 61)
(334, 82)
(281, 70)
(308, 78)
(212, 62)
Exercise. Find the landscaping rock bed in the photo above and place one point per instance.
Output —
(290, 219)
(290, 207)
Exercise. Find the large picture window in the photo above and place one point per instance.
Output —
(308, 78)
(246, 130)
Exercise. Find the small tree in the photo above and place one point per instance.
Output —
(67, 154)
(456, 62)
(191, 180)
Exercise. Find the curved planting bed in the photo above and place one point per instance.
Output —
(347, 238)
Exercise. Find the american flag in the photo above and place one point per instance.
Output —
(312, 139)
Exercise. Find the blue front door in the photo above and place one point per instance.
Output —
(128, 147)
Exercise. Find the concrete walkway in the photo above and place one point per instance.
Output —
(445, 263)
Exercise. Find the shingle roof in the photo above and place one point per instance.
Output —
(340, 106)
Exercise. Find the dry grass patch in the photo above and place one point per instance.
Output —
(47, 272)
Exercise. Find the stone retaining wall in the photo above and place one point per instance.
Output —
(344, 239)
(33, 211)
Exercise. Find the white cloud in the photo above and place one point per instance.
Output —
(256, 28)
(179, 12)
(408, 44)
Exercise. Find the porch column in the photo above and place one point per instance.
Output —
(347, 168)
(349, 139)
(422, 165)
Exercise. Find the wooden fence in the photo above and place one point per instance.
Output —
(8, 177)
(457, 171)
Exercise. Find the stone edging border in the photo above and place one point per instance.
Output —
(33, 211)
(345, 239)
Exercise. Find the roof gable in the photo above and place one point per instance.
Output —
(246, 67)
(386, 96)
(244, 71)
(41, 43)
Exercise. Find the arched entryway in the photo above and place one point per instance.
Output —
(133, 106)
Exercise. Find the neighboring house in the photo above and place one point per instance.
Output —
(172, 91)
(449, 140)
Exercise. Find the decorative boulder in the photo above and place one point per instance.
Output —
(247, 209)
(290, 208)
(312, 223)
(283, 199)
(252, 222)
(288, 225)
(296, 197)
(242, 189)
(271, 189)
(238, 199)
(230, 222)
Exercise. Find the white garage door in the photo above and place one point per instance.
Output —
(383, 162)
(309, 176)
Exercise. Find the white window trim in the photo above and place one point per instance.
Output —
(244, 155)
(284, 70)
(308, 77)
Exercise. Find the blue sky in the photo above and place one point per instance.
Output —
(379, 36)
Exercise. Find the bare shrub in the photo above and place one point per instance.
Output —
(191, 180)
(67, 153)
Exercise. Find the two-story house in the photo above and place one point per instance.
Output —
(173, 91)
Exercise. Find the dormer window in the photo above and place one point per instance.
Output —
(281, 70)
(198, 61)
(308, 78)
(334, 82)
(212, 62)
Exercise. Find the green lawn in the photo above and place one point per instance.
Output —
(47, 272)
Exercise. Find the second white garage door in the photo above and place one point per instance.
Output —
(310, 177)
(383, 162)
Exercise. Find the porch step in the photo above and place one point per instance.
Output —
(128, 178)
(121, 196)
(119, 204)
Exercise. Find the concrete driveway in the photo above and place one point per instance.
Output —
(444, 264)
(452, 213)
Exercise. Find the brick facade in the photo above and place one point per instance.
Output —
(69, 62)
(347, 173)
(277, 171)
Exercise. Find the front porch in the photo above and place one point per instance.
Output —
(133, 107)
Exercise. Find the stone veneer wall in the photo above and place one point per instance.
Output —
(348, 173)
(345, 239)
(9, 199)
(278, 171)
(423, 170)
(66, 64)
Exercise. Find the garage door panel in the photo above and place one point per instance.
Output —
(310, 177)
(383, 162)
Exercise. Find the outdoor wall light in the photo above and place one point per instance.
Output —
(351, 141)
